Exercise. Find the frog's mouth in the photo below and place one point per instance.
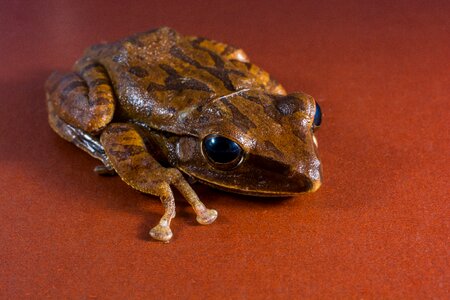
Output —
(287, 188)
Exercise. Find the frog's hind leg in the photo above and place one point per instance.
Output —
(130, 158)
(83, 99)
(81, 139)
(80, 104)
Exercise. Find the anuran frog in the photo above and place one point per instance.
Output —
(157, 107)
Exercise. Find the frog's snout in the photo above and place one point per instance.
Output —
(315, 183)
(307, 174)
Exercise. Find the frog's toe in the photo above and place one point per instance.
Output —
(161, 233)
(207, 216)
(104, 170)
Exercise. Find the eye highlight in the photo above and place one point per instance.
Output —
(221, 151)
(317, 117)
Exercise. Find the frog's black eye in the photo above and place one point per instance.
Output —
(221, 151)
(317, 117)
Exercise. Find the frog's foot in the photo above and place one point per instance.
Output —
(104, 170)
(161, 233)
(204, 215)
(207, 216)
(107, 168)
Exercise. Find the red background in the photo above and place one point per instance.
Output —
(378, 227)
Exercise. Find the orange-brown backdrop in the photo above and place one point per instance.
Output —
(378, 227)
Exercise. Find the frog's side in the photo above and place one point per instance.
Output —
(159, 96)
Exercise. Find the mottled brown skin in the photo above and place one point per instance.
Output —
(152, 98)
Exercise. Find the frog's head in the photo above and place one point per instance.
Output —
(255, 143)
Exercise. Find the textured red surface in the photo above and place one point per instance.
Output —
(378, 227)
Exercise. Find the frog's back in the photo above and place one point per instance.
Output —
(160, 75)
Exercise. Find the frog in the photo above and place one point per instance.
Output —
(163, 110)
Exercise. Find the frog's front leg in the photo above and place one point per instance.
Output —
(128, 155)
